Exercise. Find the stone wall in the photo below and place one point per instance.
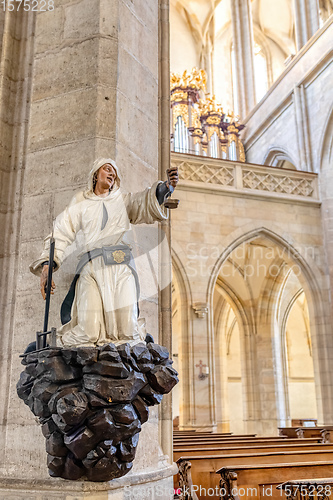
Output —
(94, 93)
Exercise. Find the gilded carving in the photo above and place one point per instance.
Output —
(196, 79)
(211, 131)
(241, 151)
(205, 116)
(180, 110)
(232, 138)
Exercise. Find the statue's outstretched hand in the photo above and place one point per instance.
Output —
(173, 176)
(43, 281)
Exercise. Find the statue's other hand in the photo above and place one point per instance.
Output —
(173, 176)
(43, 281)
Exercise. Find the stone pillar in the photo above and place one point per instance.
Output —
(302, 129)
(94, 93)
(165, 413)
(306, 20)
(204, 411)
(242, 33)
(16, 45)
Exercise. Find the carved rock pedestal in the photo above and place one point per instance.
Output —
(91, 403)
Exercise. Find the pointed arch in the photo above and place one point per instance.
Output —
(314, 286)
(276, 155)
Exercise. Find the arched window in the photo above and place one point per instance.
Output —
(260, 72)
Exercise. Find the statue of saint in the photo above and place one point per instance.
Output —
(101, 305)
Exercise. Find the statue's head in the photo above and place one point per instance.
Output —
(98, 164)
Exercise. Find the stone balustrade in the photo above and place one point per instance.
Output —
(246, 179)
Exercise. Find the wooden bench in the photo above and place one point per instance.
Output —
(266, 478)
(200, 470)
(315, 489)
(327, 434)
(200, 435)
(241, 442)
(266, 448)
(300, 432)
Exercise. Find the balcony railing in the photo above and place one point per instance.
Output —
(244, 178)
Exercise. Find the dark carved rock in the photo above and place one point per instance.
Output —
(73, 468)
(127, 448)
(55, 465)
(107, 369)
(143, 357)
(69, 356)
(56, 370)
(55, 445)
(48, 427)
(117, 390)
(141, 409)
(81, 442)
(95, 401)
(43, 390)
(39, 409)
(91, 403)
(163, 379)
(61, 424)
(73, 408)
(158, 352)
(86, 355)
(125, 354)
(24, 386)
(150, 397)
(102, 424)
(59, 393)
(108, 352)
(126, 431)
(123, 414)
(107, 469)
(31, 369)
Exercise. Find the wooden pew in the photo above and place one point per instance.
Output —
(316, 489)
(300, 432)
(201, 469)
(199, 435)
(266, 448)
(327, 434)
(266, 478)
(241, 442)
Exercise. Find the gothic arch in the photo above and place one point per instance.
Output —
(312, 283)
(275, 155)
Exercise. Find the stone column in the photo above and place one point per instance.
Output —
(242, 33)
(94, 93)
(306, 20)
(204, 411)
(16, 45)
(302, 129)
(165, 413)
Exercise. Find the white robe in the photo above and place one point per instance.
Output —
(105, 304)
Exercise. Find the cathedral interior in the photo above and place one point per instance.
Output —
(238, 95)
(246, 240)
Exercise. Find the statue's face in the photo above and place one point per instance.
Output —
(106, 176)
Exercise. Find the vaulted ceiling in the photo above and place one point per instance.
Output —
(273, 19)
